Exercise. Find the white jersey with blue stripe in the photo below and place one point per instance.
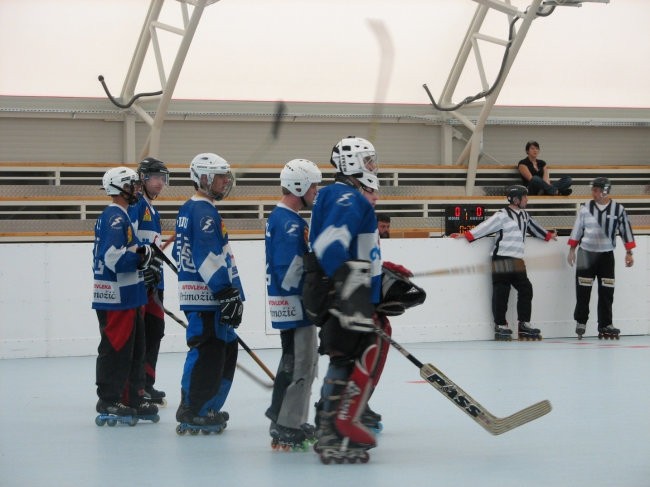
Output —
(206, 264)
(117, 282)
(344, 227)
(146, 223)
(285, 242)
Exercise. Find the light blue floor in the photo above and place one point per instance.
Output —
(598, 433)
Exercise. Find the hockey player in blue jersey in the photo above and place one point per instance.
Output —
(210, 294)
(285, 245)
(119, 260)
(342, 288)
(154, 176)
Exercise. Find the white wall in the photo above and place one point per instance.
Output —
(45, 292)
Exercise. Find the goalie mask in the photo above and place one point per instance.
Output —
(398, 293)
(354, 156)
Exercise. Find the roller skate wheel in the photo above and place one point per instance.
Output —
(325, 460)
(99, 421)
(111, 422)
(180, 430)
(132, 421)
(205, 432)
(156, 418)
(365, 457)
(339, 460)
(194, 432)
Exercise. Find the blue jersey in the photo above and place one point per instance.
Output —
(205, 261)
(117, 284)
(285, 242)
(146, 223)
(344, 227)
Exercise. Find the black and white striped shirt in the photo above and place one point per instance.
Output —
(595, 229)
(510, 228)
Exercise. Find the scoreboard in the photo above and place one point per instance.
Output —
(461, 218)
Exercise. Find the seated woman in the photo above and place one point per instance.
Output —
(536, 176)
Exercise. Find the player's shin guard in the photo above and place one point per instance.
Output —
(355, 397)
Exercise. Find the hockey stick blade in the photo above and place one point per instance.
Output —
(491, 423)
(464, 401)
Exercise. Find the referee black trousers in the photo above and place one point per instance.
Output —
(590, 266)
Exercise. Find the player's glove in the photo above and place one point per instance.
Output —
(231, 306)
(146, 256)
(153, 274)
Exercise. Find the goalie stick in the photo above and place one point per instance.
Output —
(443, 384)
(268, 385)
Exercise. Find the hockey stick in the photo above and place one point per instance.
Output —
(386, 58)
(239, 366)
(465, 402)
(182, 323)
(256, 359)
(497, 266)
(280, 111)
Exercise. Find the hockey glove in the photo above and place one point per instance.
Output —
(153, 274)
(146, 255)
(398, 293)
(231, 306)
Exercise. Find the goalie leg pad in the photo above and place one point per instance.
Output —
(384, 346)
(352, 304)
(355, 398)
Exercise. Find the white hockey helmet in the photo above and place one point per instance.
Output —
(353, 156)
(298, 175)
(116, 178)
(209, 165)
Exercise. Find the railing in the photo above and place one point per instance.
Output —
(61, 201)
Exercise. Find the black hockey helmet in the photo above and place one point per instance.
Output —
(151, 165)
(603, 183)
(516, 191)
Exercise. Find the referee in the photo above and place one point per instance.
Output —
(594, 230)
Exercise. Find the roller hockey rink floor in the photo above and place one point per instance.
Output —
(598, 433)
